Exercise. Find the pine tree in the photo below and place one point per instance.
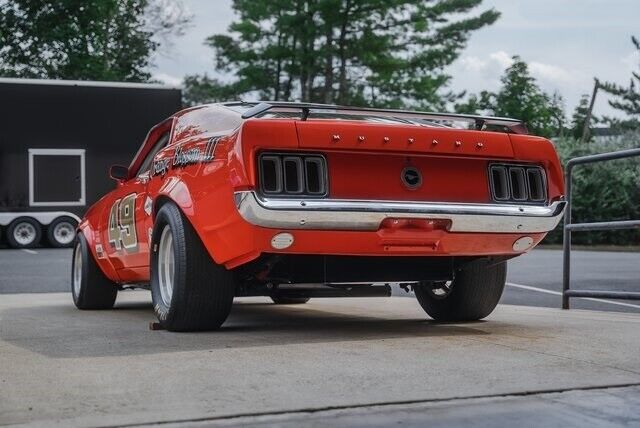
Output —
(626, 99)
(389, 53)
(520, 97)
(557, 111)
(204, 89)
(579, 117)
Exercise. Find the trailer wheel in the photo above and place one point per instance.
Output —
(62, 232)
(90, 288)
(189, 290)
(472, 295)
(24, 232)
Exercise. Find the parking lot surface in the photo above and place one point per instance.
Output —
(562, 409)
(67, 367)
(331, 362)
(533, 279)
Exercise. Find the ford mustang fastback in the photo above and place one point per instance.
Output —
(296, 201)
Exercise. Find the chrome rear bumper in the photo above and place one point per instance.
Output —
(341, 214)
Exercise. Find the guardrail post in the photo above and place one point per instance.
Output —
(566, 238)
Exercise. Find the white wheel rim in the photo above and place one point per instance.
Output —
(64, 233)
(443, 291)
(24, 233)
(77, 270)
(166, 261)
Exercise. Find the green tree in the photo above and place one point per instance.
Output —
(579, 117)
(474, 104)
(593, 201)
(204, 89)
(389, 53)
(520, 97)
(84, 39)
(626, 99)
(558, 116)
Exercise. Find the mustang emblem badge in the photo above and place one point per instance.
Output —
(411, 177)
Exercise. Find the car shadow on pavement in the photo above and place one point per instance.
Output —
(62, 331)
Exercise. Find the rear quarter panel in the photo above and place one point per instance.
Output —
(92, 227)
(204, 192)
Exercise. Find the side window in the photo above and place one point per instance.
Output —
(160, 144)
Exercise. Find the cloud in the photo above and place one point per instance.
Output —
(473, 63)
(550, 73)
(496, 62)
(631, 61)
(502, 58)
(494, 65)
(168, 79)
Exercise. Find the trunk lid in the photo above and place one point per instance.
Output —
(406, 139)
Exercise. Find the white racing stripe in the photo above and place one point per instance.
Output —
(557, 293)
(26, 250)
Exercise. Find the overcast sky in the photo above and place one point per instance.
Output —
(566, 43)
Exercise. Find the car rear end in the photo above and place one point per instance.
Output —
(299, 201)
(346, 187)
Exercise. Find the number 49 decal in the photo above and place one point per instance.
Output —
(122, 224)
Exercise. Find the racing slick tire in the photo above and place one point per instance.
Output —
(472, 295)
(90, 288)
(190, 291)
(281, 300)
(61, 232)
(24, 232)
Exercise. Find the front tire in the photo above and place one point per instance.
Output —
(90, 288)
(472, 295)
(190, 291)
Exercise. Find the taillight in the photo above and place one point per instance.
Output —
(517, 183)
(292, 174)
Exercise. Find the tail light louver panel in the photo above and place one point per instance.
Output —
(291, 174)
(537, 184)
(517, 183)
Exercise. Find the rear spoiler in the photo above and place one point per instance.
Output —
(479, 122)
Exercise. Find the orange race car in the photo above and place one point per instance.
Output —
(295, 201)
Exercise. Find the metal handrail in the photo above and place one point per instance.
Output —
(569, 227)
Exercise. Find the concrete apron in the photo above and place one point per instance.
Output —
(62, 366)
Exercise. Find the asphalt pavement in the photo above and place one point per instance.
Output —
(534, 279)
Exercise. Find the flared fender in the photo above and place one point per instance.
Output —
(96, 247)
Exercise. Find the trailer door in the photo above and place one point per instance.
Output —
(56, 177)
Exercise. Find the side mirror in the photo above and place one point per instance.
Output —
(119, 172)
